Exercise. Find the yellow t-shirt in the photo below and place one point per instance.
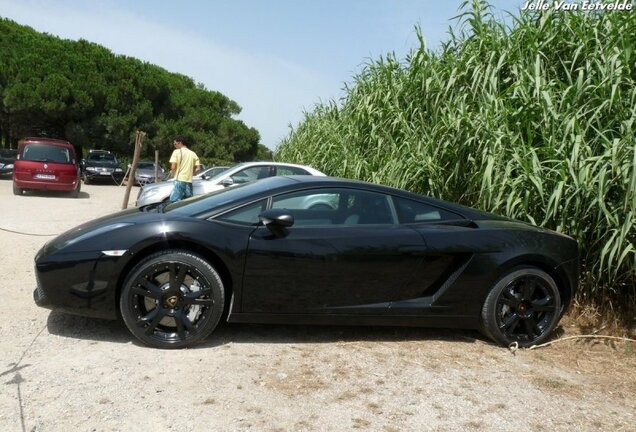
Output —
(186, 160)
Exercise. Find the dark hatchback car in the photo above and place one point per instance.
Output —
(101, 165)
(7, 159)
(313, 250)
(46, 164)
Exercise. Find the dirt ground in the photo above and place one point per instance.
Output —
(60, 372)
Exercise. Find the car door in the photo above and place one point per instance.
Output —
(345, 253)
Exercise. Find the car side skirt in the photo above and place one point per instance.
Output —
(447, 321)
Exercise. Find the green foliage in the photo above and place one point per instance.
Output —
(534, 121)
(82, 92)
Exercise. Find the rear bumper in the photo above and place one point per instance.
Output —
(570, 272)
(45, 185)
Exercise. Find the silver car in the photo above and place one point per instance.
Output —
(145, 173)
(240, 173)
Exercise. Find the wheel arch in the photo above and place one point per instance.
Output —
(185, 245)
(548, 266)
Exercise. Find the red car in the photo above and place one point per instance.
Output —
(46, 164)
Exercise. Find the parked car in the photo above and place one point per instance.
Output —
(240, 173)
(46, 164)
(101, 165)
(7, 159)
(258, 253)
(210, 172)
(145, 173)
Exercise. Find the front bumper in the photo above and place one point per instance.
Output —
(40, 298)
(81, 283)
(95, 176)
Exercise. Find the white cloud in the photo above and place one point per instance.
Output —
(272, 91)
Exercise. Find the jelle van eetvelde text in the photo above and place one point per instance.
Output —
(586, 5)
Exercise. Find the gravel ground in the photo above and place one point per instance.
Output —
(61, 372)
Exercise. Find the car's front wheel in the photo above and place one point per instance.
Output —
(172, 299)
(524, 306)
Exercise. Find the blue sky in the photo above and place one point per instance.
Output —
(275, 58)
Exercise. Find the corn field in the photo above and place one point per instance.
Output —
(533, 120)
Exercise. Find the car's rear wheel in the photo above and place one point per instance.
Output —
(76, 192)
(172, 299)
(524, 306)
(17, 190)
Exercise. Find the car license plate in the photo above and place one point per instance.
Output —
(104, 173)
(45, 176)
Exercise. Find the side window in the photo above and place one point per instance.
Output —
(336, 207)
(410, 211)
(250, 174)
(287, 170)
(246, 215)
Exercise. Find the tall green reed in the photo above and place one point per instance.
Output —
(534, 121)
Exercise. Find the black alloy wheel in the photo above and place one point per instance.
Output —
(524, 307)
(172, 299)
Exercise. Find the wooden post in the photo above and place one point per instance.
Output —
(156, 165)
(139, 139)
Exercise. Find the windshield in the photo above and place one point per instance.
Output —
(208, 202)
(8, 153)
(101, 157)
(46, 153)
(146, 165)
(212, 172)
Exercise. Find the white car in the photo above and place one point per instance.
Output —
(238, 174)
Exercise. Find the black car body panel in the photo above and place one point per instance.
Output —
(431, 273)
(7, 159)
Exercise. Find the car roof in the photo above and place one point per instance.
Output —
(51, 141)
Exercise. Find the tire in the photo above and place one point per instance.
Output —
(85, 179)
(17, 190)
(524, 306)
(164, 313)
(76, 192)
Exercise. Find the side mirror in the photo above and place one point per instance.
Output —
(205, 177)
(227, 182)
(277, 220)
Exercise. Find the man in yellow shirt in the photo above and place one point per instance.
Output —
(183, 164)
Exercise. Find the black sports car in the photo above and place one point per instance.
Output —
(311, 250)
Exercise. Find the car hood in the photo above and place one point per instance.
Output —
(7, 160)
(107, 223)
(169, 183)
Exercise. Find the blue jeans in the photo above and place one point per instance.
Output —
(181, 190)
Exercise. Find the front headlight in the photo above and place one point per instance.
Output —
(91, 169)
(8, 166)
(151, 192)
(118, 170)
